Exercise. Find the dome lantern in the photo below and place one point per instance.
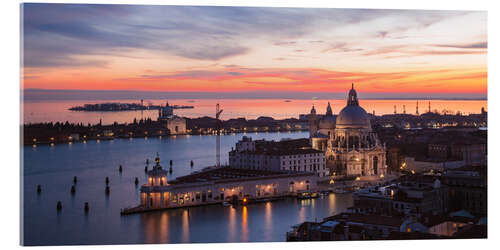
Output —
(353, 115)
(352, 100)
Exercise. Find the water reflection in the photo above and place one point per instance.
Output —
(331, 201)
(302, 213)
(232, 224)
(244, 224)
(164, 227)
(185, 226)
(268, 226)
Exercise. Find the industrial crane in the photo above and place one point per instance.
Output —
(218, 127)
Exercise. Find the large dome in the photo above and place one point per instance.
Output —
(353, 116)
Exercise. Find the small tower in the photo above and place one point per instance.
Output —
(152, 194)
(329, 111)
(429, 106)
(404, 109)
(157, 176)
(416, 111)
(395, 111)
(313, 122)
(313, 110)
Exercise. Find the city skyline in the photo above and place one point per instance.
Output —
(254, 51)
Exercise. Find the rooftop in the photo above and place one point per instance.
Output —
(372, 219)
(283, 147)
(227, 174)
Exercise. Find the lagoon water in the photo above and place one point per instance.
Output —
(57, 110)
(54, 167)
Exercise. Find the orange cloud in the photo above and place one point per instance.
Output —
(262, 79)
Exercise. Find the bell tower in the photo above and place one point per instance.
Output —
(313, 122)
(329, 111)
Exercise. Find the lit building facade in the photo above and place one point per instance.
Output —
(348, 142)
(218, 185)
(286, 155)
(175, 124)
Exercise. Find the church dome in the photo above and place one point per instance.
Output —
(353, 116)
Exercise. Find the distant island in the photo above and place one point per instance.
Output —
(116, 106)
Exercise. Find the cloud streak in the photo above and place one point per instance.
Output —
(58, 35)
(478, 45)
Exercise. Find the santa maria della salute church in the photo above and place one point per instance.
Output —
(351, 147)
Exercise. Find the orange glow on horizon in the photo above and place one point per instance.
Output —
(303, 80)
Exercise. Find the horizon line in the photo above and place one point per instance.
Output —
(86, 94)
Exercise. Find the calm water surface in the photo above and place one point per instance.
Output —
(53, 111)
(54, 168)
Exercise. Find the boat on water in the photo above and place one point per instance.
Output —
(307, 195)
(226, 204)
(324, 193)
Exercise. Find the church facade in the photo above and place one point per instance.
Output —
(175, 124)
(351, 147)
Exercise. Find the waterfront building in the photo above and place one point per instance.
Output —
(219, 185)
(285, 155)
(175, 124)
(350, 146)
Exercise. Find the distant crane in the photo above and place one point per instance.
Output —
(218, 127)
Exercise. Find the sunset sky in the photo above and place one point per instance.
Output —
(303, 52)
